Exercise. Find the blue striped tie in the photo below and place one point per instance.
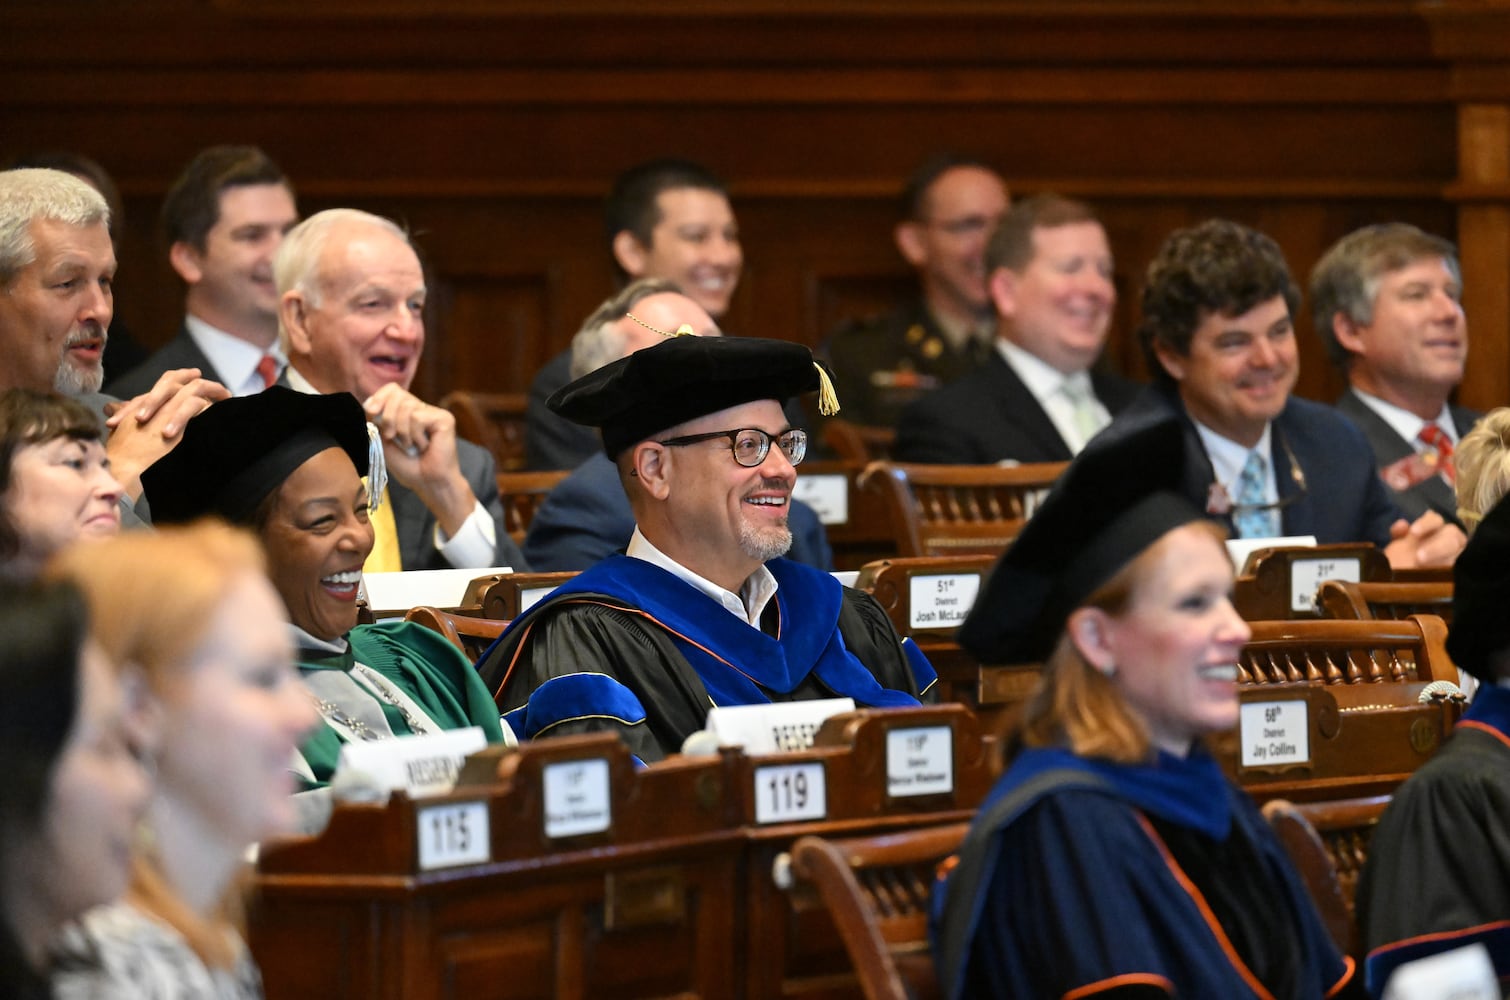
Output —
(1249, 521)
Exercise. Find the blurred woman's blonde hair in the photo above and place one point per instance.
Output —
(152, 597)
(1482, 460)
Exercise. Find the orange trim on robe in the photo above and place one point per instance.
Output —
(1205, 909)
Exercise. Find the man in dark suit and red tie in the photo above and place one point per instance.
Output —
(1387, 303)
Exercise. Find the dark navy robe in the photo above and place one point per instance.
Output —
(1131, 881)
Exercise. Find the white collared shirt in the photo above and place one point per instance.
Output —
(475, 544)
(1047, 384)
(1407, 424)
(234, 359)
(1228, 458)
(748, 605)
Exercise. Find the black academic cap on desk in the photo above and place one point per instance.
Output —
(680, 379)
(1116, 498)
(240, 450)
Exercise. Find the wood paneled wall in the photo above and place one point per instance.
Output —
(493, 128)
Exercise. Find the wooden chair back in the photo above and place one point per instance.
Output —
(470, 635)
(876, 890)
(1266, 588)
(1390, 600)
(858, 442)
(1347, 652)
(494, 421)
(939, 510)
(856, 520)
(1329, 842)
(515, 593)
(522, 493)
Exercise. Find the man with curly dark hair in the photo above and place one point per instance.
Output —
(1218, 334)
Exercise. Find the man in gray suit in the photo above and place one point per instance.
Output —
(56, 269)
(351, 319)
(223, 220)
(1386, 301)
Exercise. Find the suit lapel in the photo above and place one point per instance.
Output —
(1389, 447)
(187, 354)
(1020, 407)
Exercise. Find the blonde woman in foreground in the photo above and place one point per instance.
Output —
(193, 607)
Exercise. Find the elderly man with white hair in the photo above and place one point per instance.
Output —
(351, 319)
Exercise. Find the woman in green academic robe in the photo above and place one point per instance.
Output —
(294, 467)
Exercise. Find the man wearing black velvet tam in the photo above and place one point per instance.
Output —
(1438, 871)
(702, 610)
(1114, 858)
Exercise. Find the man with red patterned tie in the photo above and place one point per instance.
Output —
(1387, 303)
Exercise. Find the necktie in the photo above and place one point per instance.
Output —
(384, 557)
(267, 370)
(1439, 452)
(1087, 419)
(1250, 521)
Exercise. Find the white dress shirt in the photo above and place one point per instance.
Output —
(1048, 386)
(748, 605)
(234, 359)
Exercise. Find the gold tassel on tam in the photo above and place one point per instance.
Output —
(828, 400)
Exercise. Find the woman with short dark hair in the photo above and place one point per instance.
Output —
(55, 481)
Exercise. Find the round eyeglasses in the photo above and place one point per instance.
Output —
(750, 445)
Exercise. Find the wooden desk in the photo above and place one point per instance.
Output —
(1360, 740)
(672, 897)
(1264, 590)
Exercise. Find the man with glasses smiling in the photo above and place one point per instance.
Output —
(949, 208)
(701, 610)
(586, 517)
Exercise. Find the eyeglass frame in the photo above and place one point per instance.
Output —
(965, 226)
(767, 439)
(1297, 476)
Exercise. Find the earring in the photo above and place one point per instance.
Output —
(1109, 671)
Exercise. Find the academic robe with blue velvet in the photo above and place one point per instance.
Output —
(1438, 870)
(628, 647)
(421, 664)
(1106, 880)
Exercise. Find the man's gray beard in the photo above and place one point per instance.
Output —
(766, 545)
(72, 381)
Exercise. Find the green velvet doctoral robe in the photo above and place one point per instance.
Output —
(423, 684)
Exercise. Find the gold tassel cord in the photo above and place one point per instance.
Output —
(685, 330)
(828, 400)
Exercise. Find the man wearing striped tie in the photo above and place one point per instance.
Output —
(1217, 331)
(1387, 303)
(351, 319)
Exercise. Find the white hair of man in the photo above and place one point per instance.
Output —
(296, 265)
(38, 193)
(601, 339)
